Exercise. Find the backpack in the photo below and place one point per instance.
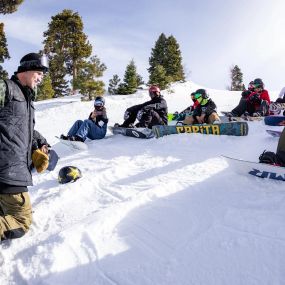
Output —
(270, 157)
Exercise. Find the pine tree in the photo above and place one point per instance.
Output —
(113, 85)
(130, 83)
(166, 53)
(173, 65)
(4, 53)
(158, 54)
(158, 77)
(86, 81)
(65, 38)
(236, 79)
(122, 89)
(139, 80)
(45, 90)
(57, 73)
(9, 6)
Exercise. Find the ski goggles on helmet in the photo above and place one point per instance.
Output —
(98, 103)
(257, 86)
(197, 95)
(41, 64)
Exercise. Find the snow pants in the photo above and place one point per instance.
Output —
(88, 129)
(15, 215)
(245, 106)
(190, 120)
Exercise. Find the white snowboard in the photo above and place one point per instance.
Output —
(260, 170)
(74, 144)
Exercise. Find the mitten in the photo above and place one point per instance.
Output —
(40, 160)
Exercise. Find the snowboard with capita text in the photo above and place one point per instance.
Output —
(260, 170)
(274, 120)
(276, 134)
(141, 133)
(74, 144)
(229, 129)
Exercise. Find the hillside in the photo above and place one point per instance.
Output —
(158, 211)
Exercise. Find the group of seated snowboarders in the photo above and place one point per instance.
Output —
(255, 101)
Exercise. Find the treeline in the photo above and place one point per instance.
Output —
(74, 67)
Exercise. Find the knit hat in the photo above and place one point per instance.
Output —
(33, 61)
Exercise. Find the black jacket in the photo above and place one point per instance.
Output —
(207, 109)
(17, 135)
(157, 104)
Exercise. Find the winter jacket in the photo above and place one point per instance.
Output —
(100, 120)
(17, 135)
(255, 98)
(157, 104)
(207, 109)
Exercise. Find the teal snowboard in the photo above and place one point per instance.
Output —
(229, 129)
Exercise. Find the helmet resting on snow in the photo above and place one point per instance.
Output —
(69, 174)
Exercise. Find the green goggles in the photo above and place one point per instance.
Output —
(197, 95)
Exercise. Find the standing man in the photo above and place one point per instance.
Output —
(21, 147)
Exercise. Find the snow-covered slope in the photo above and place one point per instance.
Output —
(158, 211)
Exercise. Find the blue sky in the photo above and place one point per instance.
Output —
(213, 35)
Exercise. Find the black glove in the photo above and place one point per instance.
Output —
(245, 93)
(255, 99)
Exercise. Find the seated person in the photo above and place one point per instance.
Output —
(277, 158)
(188, 111)
(203, 110)
(94, 128)
(150, 113)
(254, 102)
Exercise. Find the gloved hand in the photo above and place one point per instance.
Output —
(255, 98)
(40, 160)
(245, 93)
(154, 114)
(126, 115)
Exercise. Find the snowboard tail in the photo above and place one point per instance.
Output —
(74, 144)
(276, 134)
(141, 133)
(260, 170)
(230, 129)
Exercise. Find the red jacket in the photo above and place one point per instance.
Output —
(263, 95)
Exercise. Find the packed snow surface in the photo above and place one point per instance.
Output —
(157, 211)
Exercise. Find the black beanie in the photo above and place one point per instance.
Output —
(31, 61)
